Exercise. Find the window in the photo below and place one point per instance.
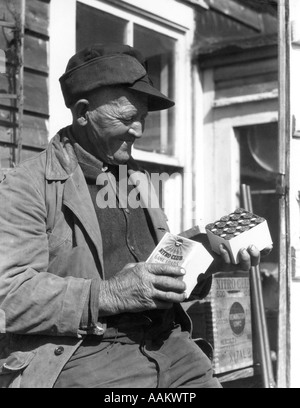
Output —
(95, 25)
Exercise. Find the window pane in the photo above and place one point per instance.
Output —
(159, 50)
(95, 26)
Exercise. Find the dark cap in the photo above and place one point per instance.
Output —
(102, 65)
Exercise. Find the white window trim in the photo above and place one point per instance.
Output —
(62, 31)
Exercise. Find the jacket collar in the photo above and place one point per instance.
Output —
(61, 160)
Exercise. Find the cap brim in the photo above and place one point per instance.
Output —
(156, 100)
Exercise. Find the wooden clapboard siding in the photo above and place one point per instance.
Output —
(250, 68)
(36, 59)
(6, 134)
(36, 54)
(269, 77)
(239, 43)
(35, 131)
(35, 51)
(241, 69)
(270, 23)
(251, 89)
(232, 20)
(36, 34)
(37, 16)
(233, 51)
(4, 13)
(28, 153)
(237, 12)
(256, 77)
(36, 91)
(213, 27)
(7, 158)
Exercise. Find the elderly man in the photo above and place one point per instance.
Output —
(78, 304)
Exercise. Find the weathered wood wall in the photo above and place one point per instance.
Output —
(243, 70)
(239, 43)
(36, 93)
(251, 75)
(233, 19)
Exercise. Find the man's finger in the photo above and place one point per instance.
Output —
(244, 259)
(255, 255)
(171, 284)
(224, 254)
(169, 297)
(165, 269)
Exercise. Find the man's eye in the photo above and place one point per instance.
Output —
(128, 120)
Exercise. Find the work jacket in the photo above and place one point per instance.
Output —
(46, 214)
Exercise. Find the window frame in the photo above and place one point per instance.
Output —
(179, 35)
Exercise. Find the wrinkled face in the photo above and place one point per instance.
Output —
(115, 119)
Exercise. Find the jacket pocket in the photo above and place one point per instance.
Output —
(58, 237)
(61, 230)
(12, 367)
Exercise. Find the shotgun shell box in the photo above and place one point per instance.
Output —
(179, 251)
(237, 230)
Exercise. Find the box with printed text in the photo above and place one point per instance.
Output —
(180, 251)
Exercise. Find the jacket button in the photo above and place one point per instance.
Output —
(59, 350)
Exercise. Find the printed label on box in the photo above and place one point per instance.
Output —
(179, 251)
(230, 323)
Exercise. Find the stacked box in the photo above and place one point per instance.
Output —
(237, 230)
(228, 322)
(224, 319)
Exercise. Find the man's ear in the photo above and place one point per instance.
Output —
(80, 109)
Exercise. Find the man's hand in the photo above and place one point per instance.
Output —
(247, 256)
(142, 286)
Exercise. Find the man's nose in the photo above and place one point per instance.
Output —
(136, 129)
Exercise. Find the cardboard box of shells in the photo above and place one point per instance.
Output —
(237, 230)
